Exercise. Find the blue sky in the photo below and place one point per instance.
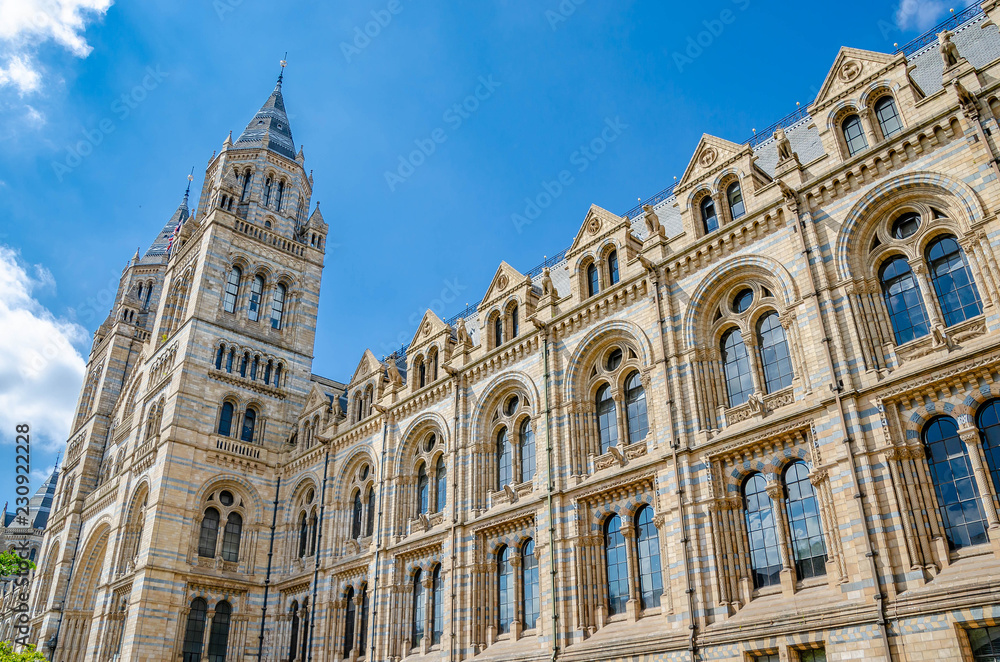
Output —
(107, 107)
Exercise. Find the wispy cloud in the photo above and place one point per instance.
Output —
(919, 15)
(25, 25)
(41, 368)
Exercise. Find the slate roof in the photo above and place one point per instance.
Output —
(269, 127)
(159, 246)
(40, 505)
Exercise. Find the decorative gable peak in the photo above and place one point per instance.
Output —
(368, 366)
(316, 399)
(599, 223)
(506, 279)
(851, 69)
(711, 156)
(430, 327)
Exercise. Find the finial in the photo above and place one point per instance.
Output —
(190, 179)
(283, 63)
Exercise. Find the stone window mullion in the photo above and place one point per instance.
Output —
(756, 367)
(931, 303)
(632, 567)
(776, 492)
(970, 437)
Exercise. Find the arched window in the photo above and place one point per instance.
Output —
(231, 537)
(281, 195)
(194, 633)
(903, 299)
(226, 419)
(514, 326)
(953, 284)
(613, 275)
(505, 590)
(232, 289)
(419, 615)
(954, 484)
(762, 531)
(527, 451)
(218, 641)
(734, 195)
(218, 357)
(422, 371)
(647, 541)
(256, 290)
(370, 524)
(356, 517)
(616, 559)
(498, 331)
(267, 372)
(607, 419)
(635, 402)
(423, 490)
(209, 533)
(303, 535)
(246, 185)
(505, 460)
(249, 425)
(229, 361)
(736, 366)
(293, 644)
(808, 547)
(278, 306)
(530, 597)
(267, 190)
(244, 364)
(709, 219)
(593, 280)
(437, 606)
(988, 422)
(363, 636)
(888, 116)
(313, 531)
(441, 485)
(854, 134)
(774, 357)
(349, 621)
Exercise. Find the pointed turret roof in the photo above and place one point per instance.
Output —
(159, 245)
(269, 128)
(39, 506)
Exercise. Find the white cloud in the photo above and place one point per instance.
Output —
(918, 15)
(40, 368)
(26, 24)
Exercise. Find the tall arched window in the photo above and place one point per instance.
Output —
(954, 484)
(226, 419)
(527, 451)
(370, 524)
(249, 425)
(440, 485)
(515, 327)
(268, 182)
(232, 289)
(419, 614)
(854, 134)
(953, 284)
(356, 515)
(231, 537)
(734, 195)
(218, 641)
(303, 535)
(278, 306)
(530, 597)
(888, 116)
(616, 558)
(194, 633)
(423, 490)
(762, 531)
(363, 635)
(736, 366)
(808, 547)
(613, 274)
(774, 356)
(648, 557)
(635, 402)
(607, 419)
(293, 644)
(498, 331)
(988, 422)
(218, 356)
(903, 299)
(505, 590)
(709, 219)
(313, 532)
(422, 371)
(256, 290)
(437, 606)
(349, 615)
(246, 185)
(593, 280)
(281, 195)
(209, 533)
(505, 460)
(229, 361)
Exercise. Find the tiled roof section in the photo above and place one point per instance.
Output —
(159, 246)
(269, 128)
(40, 504)
(976, 43)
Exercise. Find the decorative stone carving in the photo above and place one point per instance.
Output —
(708, 157)
(850, 70)
(948, 49)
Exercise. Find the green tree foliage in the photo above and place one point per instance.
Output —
(10, 564)
(28, 654)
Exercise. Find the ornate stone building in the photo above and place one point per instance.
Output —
(754, 419)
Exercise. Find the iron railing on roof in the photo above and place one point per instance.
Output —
(791, 118)
(652, 202)
(951, 23)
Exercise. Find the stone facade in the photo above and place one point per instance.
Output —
(750, 420)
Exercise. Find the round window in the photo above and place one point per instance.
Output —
(429, 446)
(614, 359)
(226, 498)
(743, 300)
(511, 406)
(364, 472)
(906, 225)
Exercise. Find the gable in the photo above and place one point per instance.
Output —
(599, 221)
(504, 280)
(366, 366)
(709, 157)
(430, 326)
(850, 69)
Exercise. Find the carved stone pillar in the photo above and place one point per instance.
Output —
(207, 637)
(866, 120)
(931, 305)
(972, 258)
(632, 606)
(776, 492)
(970, 436)
(427, 581)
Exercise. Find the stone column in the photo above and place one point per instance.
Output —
(970, 436)
(518, 623)
(919, 269)
(632, 606)
(428, 583)
(776, 492)
(208, 634)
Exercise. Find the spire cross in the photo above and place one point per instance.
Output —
(283, 63)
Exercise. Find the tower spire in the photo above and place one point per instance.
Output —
(269, 127)
(283, 63)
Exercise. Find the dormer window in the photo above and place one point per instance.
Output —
(735, 198)
(593, 282)
(709, 219)
(613, 274)
(888, 116)
(854, 134)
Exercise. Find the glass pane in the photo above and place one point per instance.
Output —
(808, 546)
(505, 590)
(957, 494)
(607, 419)
(765, 560)
(648, 555)
(736, 366)
(903, 300)
(617, 566)
(529, 574)
(953, 284)
(775, 358)
(635, 401)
